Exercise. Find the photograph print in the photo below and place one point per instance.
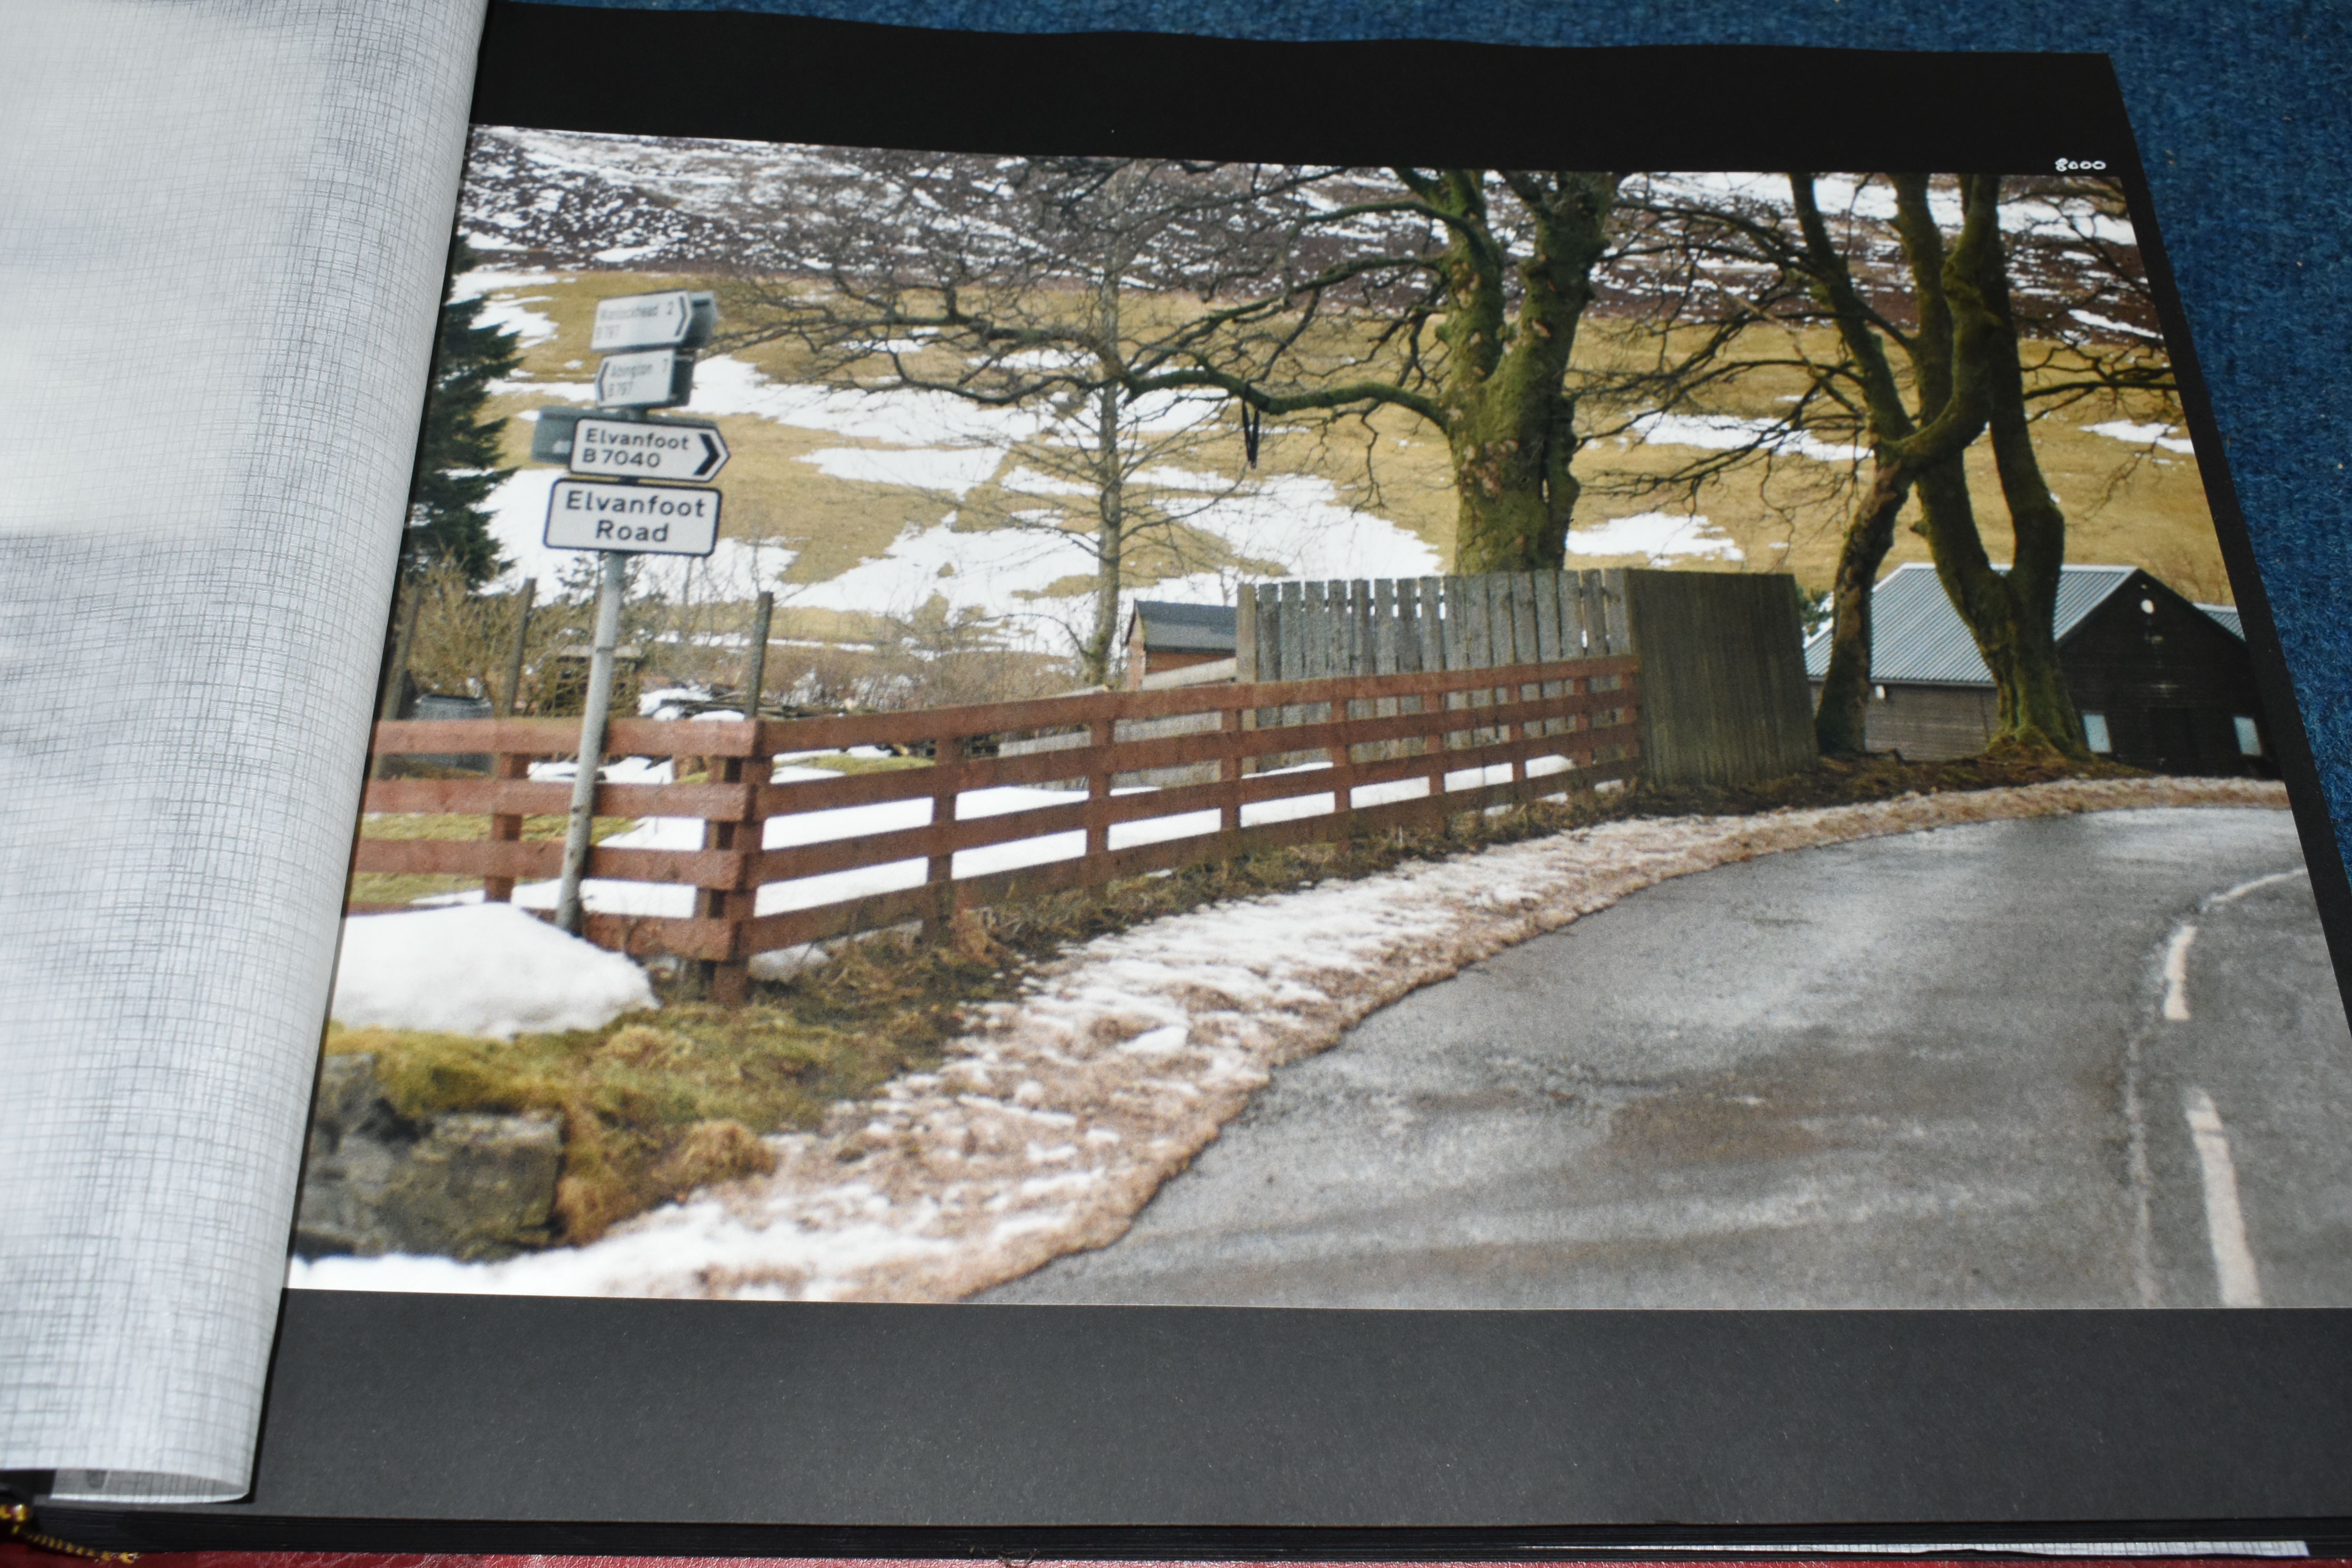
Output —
(1083, 730)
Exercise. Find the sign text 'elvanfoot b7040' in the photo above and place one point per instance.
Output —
(647, 519)
(647, 450)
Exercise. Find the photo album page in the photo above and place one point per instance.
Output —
(1257, 733)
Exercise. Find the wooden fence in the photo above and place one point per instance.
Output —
(1306, 631)
(1722, 652)
(773, 871)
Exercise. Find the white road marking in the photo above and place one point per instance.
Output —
(2143, 1180)
(2225, 1223)
(2257, 885)
(2175, 976)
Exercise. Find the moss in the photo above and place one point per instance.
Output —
(656, 1104)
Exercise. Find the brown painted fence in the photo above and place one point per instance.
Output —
(1405, 748)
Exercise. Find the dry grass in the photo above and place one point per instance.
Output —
(657, 1104)
(2123, 504)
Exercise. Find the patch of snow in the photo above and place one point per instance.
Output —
(517, 320)
(1661, 536)
(1724, 432)
(491, 279)
(2143, 435)
(1134, 1049)
(951, 469)
(725, 384)
(488, 969)
(2111, 324)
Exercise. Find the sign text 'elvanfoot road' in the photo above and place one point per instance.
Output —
(647, 450)
(650, 520)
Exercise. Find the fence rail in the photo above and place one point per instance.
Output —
(776, 862)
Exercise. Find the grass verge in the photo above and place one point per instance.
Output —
(657, 1104)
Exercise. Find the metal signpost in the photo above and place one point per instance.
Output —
(647, 340)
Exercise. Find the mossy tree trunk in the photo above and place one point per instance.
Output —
(1509, 416)
(1506, 314)
(1907, 447)
(2011, 615)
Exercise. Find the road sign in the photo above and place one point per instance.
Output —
(550, 433)
(644, 519)
(654, 378)
(647, 450)
(672, 320)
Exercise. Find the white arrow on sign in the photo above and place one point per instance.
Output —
(647, 450)
(644, 520)
(642, 321)
(648, 379)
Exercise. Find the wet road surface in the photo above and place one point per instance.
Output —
(1975, 1067)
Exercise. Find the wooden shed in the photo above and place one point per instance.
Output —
(2162, 683)
(1162, 636)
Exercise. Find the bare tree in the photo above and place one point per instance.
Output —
(1932, 352)
(1453, 295)
(1461, 307)
(1049, 290)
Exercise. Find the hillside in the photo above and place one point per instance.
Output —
(855, 506)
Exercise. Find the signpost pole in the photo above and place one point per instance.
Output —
(576, 838)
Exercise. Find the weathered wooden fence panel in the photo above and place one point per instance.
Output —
(1723, 677)
(1725, 699)
(1307, 631)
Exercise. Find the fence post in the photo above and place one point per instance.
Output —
(521, 641)
(946, 769)
(755, 668)
(505, 828)
(730, 977)
(728, 981)
(1101, 732)
(1229, 770)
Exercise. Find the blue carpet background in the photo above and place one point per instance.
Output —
(2244, 113)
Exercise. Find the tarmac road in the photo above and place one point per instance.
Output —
(1977, 1066)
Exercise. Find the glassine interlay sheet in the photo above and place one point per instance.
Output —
(221, 230)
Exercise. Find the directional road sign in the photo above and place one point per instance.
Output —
(673, 319)
(652, 378)
(647, 450)
(550, 433)
(647, 519)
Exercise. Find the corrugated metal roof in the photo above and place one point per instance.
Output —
(1172, 627)
(1917, 638)
(2228, 615)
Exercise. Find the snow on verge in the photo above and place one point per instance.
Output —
(478, 969)
(1048, 1129)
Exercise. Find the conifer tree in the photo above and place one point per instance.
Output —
(457, 457)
